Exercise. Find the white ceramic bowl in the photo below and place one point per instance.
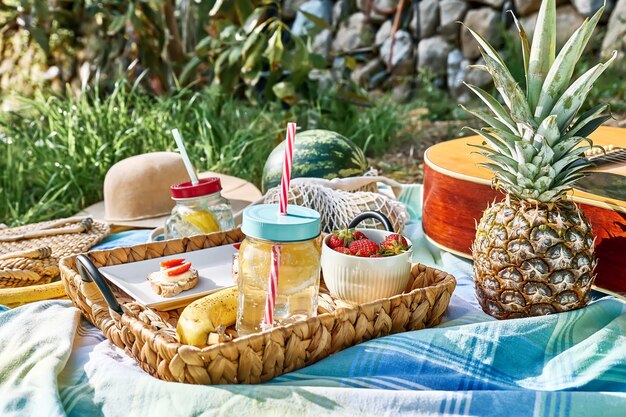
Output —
(361, 280)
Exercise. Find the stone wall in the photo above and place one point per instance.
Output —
(429, 38)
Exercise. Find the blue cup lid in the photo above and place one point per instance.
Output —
(263, 221)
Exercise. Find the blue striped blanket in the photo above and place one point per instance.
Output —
(53, 363)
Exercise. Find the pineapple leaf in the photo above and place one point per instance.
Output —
(564, 147)
(545, 156)
(543, 183)
(496, 144)
(524, 182)
(525, 44)
(564, 164)
(529, 170)
(507, 137)
(494, 106)
(589, 121)
(505, 176)
(549, 130)
(524, 152)
(487, 118)
(552, 194)
(542, 51)
(570, 102)
(505, 83)
(510, 91)
(561, 71)
(505, 163)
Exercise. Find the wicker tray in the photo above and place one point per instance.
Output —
(149, 336)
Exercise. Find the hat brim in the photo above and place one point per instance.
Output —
(239, 192)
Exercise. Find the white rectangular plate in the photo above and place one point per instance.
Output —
(214, 267)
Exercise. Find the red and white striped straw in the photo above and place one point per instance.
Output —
(286, 177)
(272, 287)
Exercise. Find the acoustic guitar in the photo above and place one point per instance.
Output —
(457, 190)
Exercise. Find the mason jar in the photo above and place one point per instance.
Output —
(293, 241)
(199, 209)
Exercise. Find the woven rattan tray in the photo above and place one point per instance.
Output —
(150, 336)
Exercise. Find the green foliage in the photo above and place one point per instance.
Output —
(56, 150)
(253, 47)
(240, 47)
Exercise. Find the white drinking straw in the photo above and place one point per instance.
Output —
(183, 153)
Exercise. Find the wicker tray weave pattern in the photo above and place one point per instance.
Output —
(150, 336)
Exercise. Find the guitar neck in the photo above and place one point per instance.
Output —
(611, 155)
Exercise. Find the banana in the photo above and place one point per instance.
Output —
(13, 297)
(204, 315)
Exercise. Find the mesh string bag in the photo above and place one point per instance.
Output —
(338, 200)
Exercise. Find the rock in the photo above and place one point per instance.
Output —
(433, 55)
(361, 75)
(322, 43)
(496, 4)
(478, 77)
(428, 17)
(485, 21)
(414, 23)
(588, 7)
(320, 8)
(341, 11)
(290, 7)
(401, 93)
(456, 71)
(402, 48)
(567, 21)
(324, 78)
(450, 13)
(615, 38)
(381, 9)
(354, 33)
(526, 7)
(383, 33)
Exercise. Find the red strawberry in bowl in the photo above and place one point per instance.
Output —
(334, 241)
(342, 249)
(358, 235)
(364, 248)
(398, 239)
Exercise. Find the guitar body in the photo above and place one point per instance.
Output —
(457, 190)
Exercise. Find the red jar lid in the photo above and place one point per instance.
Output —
(206, 186)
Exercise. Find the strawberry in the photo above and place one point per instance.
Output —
(363, 247)
(170, 263)
(359, 235)
(394, 245)
(341, 249)
(177, 270)
(334, 241)
(397, 239)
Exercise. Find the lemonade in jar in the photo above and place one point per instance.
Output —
(200, 209)
(291, 242)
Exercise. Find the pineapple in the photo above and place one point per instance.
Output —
(533, 253)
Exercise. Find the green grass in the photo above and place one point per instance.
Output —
(55, 151)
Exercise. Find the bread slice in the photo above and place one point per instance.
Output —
(170, 289)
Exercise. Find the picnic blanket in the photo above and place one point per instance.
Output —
(53, 363)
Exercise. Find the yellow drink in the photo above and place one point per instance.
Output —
(298, 282)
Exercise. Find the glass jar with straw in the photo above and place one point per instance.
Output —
(200, 207)
(279, 260)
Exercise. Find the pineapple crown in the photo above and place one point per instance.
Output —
(534, 143)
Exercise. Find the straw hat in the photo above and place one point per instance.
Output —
(137, 190)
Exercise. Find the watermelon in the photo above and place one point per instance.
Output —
(317, 153)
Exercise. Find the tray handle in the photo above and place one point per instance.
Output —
(377, 215)
(89, 273)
